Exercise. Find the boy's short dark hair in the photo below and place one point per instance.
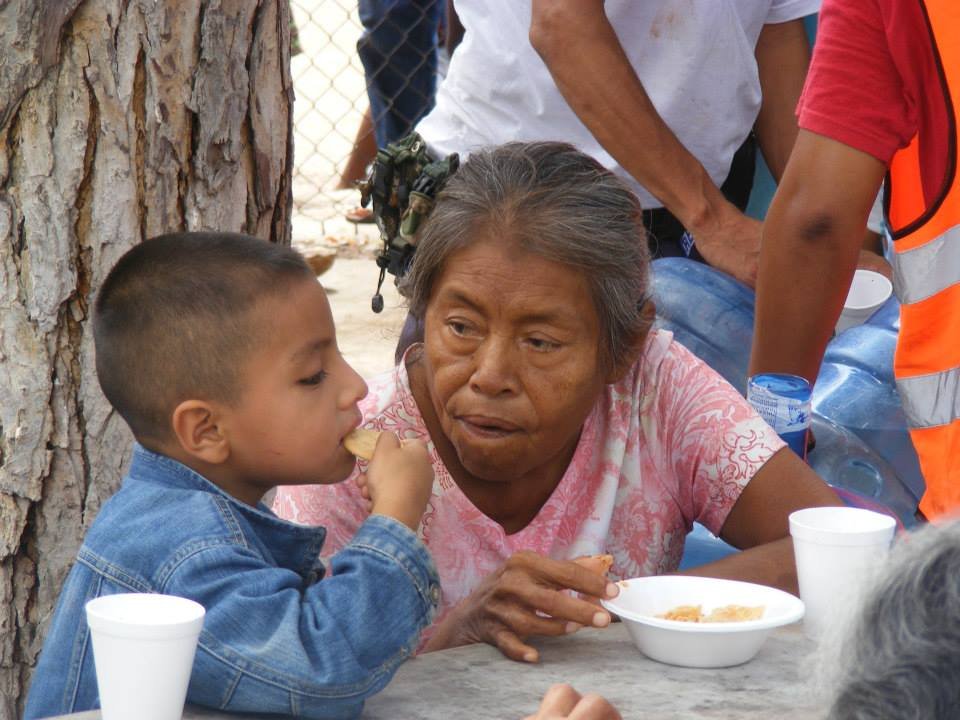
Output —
(171, 321)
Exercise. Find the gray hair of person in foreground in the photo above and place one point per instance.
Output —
(559, 204)
(901, 656)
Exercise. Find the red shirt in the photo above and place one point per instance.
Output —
(874, 83)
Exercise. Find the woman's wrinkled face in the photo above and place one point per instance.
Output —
(511, 353)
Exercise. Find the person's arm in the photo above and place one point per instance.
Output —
(733, 473)
(783, 54)
(758, 523)
(854, 114)
(270, 637)
(454, 30)
(811, 244)
(579, 46)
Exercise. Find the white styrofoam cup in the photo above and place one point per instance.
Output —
(143, 649)
(868, 291)
(836, 550)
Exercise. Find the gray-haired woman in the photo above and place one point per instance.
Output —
(900, 657)
(559, 424)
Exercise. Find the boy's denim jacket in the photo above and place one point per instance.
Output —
(275, 638)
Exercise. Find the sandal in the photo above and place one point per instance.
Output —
(359, 216)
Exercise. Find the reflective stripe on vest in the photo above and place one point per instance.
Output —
(922, 272)
(931, 400)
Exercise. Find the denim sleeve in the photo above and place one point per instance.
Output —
(272, 643)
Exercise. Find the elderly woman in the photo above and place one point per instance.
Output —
(899, 656)
(558, 423)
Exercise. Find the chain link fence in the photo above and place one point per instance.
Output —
(341, 49)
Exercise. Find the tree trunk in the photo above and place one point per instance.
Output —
(119, 119)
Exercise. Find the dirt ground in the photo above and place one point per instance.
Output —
(367, 340)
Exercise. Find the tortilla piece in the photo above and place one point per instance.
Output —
(361, 442)
(599, 564)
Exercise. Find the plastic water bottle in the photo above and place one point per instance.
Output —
(784, 402)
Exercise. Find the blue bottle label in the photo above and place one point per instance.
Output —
(783, 401)
(783, 414)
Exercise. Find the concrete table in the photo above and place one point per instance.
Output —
(478, 683)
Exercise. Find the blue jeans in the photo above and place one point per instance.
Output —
(398, 50)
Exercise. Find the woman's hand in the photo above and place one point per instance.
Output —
(526, 596)
(562, 702)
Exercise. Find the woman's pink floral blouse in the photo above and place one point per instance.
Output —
(669, 444)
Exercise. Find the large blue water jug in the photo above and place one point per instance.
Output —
(863, 448)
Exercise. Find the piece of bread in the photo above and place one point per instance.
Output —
(361, 442)
(599, 564)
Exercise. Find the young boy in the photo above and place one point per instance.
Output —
(219, 351)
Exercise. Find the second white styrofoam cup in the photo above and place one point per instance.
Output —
(836, 550)
(868, 291)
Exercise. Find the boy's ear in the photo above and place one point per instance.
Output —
(198, 431)
(647, 315)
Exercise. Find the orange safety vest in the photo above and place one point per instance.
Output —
(926, 263)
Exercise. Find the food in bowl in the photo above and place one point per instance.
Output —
(699, 644)
(726, 613)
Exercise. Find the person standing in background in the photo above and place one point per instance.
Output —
(399, 50)
(664, 93)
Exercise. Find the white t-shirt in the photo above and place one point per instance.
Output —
(695, 59)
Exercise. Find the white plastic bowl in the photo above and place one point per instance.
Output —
(701, 645)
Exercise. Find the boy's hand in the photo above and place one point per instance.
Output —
(399, 479)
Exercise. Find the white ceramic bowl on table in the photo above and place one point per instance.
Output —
(704, 645)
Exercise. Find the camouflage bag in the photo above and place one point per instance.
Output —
(403, 182)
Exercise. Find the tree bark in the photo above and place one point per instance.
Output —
(119, 119)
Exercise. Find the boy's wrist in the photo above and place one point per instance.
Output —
(406, 515)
